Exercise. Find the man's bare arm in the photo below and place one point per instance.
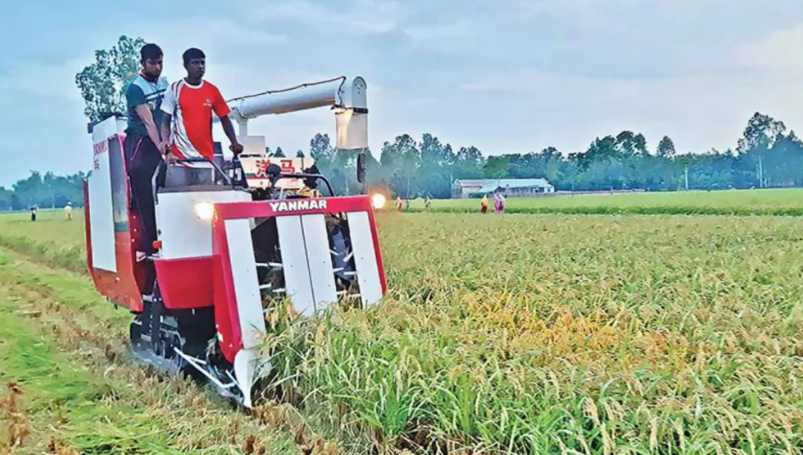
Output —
(166, 119)
(228, 128)
(145, 114)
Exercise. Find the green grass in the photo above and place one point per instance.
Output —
(51, 238)
(752, 202)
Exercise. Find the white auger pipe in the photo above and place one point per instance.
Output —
(347, 95)
(341, 92)
(293, 100)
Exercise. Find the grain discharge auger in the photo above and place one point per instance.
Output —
(269, 230)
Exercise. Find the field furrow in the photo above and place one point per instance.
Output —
(76, 390)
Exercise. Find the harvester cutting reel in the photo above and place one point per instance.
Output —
(294, 250)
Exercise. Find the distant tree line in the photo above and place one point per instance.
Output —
(767, 156)
(48, 191)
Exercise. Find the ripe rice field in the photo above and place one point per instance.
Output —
(552, 333)
(785, 202)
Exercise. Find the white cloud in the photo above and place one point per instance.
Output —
(700, 112)
(779, 51)
(176, 35)
(46, 81)
(441, 32)
(580, 14)
(240, 80)
(355, 17)
(235, 34)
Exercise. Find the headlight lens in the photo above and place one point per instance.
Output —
(204, 210)
(378, 200)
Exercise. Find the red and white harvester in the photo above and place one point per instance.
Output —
(270, 230)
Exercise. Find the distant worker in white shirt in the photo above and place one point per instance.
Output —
(68, 211)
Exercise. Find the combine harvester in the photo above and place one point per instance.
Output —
(226, 253)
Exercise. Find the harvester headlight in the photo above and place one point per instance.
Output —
(204, 210)
(378, 200)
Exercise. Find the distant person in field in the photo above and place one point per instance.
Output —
(68, 211)
(427, 203)
(399, 203)
(499, 203)
(143, 144)
(33, 213)
(407, 205)
(484, 204)
(187, 120)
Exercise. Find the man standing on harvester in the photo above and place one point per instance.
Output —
(143, 144)
(188, 105)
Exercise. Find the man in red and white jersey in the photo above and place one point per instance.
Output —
(188, 104)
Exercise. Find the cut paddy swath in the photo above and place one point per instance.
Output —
(672, 333)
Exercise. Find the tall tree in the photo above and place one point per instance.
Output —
(666, 148)
(5, 199)
(469, 163)
(497, 167)
(629, 143)
(103, 83)
(321, 150)
(761, 133)
(784, 162)
(279, 153)
(759, 138)
(400, 165)
(30, 191)
(436, 161)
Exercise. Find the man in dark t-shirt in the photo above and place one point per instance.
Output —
(143, 145)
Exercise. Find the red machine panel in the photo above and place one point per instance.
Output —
(123, 288)
(185, 283)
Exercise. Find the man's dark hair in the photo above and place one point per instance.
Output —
(192, 53)
(150, 51)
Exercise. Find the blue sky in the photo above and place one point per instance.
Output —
(505, 75)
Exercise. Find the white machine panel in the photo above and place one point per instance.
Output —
(319, 259)
(101, 212)
(246, 283)
(352, 130)
(362, 242)
(182, 233)
(294, 259)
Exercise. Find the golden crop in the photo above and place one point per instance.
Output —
(555, 334)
